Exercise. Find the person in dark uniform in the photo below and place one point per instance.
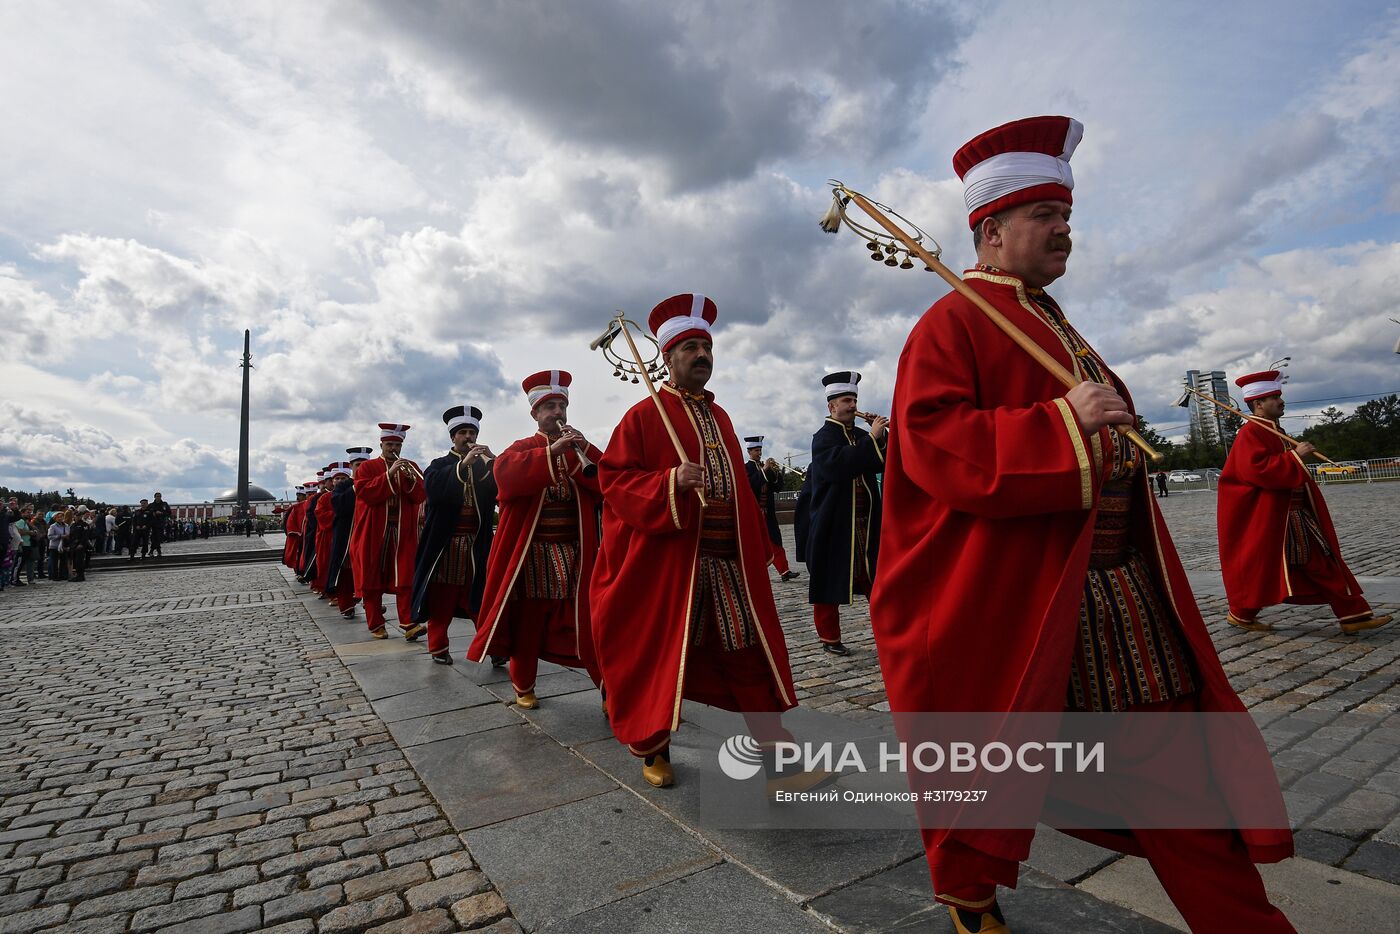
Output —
(140, 531)
(340, 579)
(449, 570)
(838, 510)
(159, 514)
(764, 480)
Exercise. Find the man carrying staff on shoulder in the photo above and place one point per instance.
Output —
(449, 571)
(1277, 541)
(764, 480)
(682, 604)
(1026, 568)
(535, 603)
(388, 499)
(838, 511)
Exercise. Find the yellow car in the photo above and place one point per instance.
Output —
(1338, 470)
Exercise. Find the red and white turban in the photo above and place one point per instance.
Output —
(1017, 163)
(392, 430)
(1260, 385)
(547, 384)
(680, 317)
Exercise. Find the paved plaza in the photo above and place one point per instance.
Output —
(209, 749)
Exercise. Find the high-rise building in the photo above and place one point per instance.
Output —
(1209, 423)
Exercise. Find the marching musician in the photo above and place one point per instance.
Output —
(306, 566)
(453, 548)
(325, 527)
(1029, 569)
(764, 479)
(292, 525)
(682, 605)
(838, 510)
(340, 577)
(388, 499)
(535, 603)
(1277, 542)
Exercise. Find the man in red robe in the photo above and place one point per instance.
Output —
(1277, 542)
(340, 579)
(682, 605)
(292, 521)
(325, 530)
(388, 498)
(1025, 567)
(536, 600)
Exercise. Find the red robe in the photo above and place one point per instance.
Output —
(325, 532)
(524, 471)
(991, 489)
(372, 491)
(293, 522)
(1252, 516)
(644, 577)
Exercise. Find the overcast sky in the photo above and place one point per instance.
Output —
(416, 204)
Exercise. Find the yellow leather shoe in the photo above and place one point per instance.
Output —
(978, 922)
(1361, 625)
(379, 633)
(413, 632)
(527, 701)
(657, 771)
(1253, 625)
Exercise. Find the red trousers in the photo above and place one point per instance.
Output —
(374, 609)
(1207, 873)
(827, 617)
(1318, 581)
(345, 591)
(780, 561)
(444, 600)
(539, 629)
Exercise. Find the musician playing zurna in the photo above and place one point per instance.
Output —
(1030, 570)
(340, 580)
(764, 479)
(682, 605)
(535, 603)
(1277, 542)
(389, 496)
(838, 511)
(449, 571)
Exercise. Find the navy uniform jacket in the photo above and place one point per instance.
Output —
(445, 495)
(826, 508)
(308, 538)
(343, 502)
(758, 477)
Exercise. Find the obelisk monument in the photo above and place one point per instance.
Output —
(247, 365)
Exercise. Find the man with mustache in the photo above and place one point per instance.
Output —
(535, 604)
(838, 511)
(1027, 570)
(1277, 542)
(682, 604)
(449, 570)
(388, 498)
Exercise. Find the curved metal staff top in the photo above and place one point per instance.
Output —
(909, 239)
(882, 246)
(641, 369)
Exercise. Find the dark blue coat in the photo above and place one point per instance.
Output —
(343, 502)
(826, 508)
(445, 495)
(308, 539)
(758, 478)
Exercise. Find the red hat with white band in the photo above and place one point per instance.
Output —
(680, 317)
(1260, 385)
(1017, 163)
(393, 430)
(546, 384)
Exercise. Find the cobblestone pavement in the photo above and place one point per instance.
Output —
(1327, 702)
(214, 772)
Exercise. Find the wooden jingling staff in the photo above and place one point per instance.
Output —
(643, 371)
(1259, 420)
(882, 247)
